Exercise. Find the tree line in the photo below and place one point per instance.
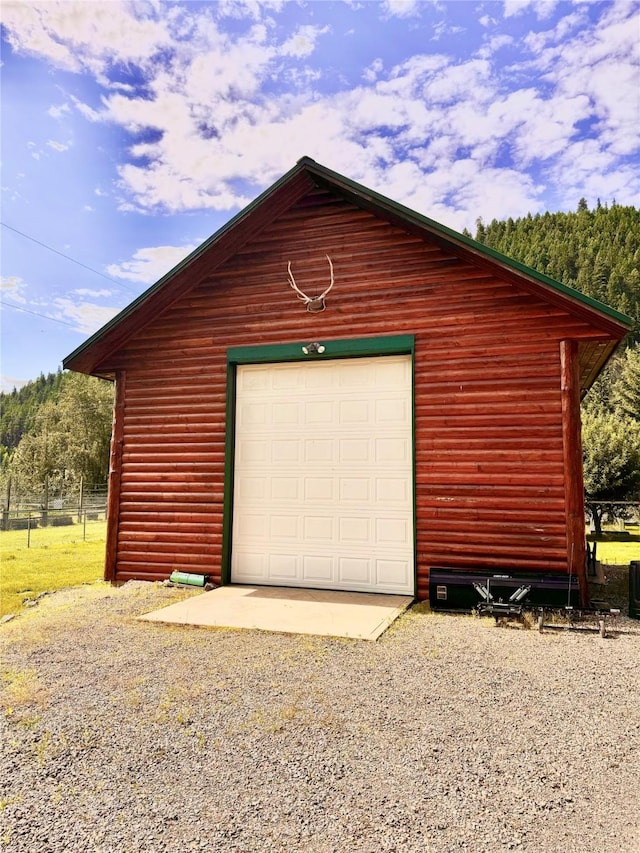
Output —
(55, 431)
(55, 434)
(595, 251)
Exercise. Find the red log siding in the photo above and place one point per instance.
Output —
(490, 485)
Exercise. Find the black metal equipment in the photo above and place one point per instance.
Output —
(634, 589)
(505, 594)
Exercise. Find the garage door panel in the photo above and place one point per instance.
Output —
(251, 489)
(354, 412)
(320, 450)
(320, 489)
(395, 491)
(286, 413)
(393, 410)
(323, 491)
(284, 527)
(252, 564)
(318, 412)
(392, 450)
(355, 490)
(283, 567)
(318, 569)
(354, 450)
(250, 452)
(252, 525)
(323, 376)
(285, 488)
(319, 528)
(353, 570)
(391, 531)
(392, 573)
(288, 377)
(284, 450)
(355, 374)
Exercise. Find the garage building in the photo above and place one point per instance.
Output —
(423, 413)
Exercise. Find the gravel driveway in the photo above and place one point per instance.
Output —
(447, 734)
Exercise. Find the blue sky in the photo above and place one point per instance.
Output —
(132, 131)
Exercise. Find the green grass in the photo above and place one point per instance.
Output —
(617, 551)
(58, 558)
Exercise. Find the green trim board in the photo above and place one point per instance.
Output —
(229, 473)
(293, 352)
(350, 348)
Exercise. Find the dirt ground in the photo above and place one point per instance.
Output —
(447, 734)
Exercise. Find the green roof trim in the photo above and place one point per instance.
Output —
(375, 199)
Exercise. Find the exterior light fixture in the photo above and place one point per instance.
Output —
(313, 349)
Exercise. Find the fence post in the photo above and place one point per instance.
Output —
(81, 498)
(29, 530)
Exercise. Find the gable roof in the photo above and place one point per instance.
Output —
(303, 178)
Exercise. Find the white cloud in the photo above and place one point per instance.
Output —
(401, 8)
(247, 8)
(302, 42)
(8, 383)
(58, 111)
(86, 317)
(456, 82)
(493, 45)
(598, 68)
(58, 146)
(78, 35)
(565, 27)
(586, 170)
(13, 287)
(150, 264)
(542, 8)
(224, 113)
(87, 111)
(95, 294)
(443, 29)
(371, 73)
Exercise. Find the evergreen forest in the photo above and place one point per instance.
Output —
(595, 251)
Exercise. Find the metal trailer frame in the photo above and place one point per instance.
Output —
(507, 597)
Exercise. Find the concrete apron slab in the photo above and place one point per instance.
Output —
(358, 615)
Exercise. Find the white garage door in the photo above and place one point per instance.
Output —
(323, 475)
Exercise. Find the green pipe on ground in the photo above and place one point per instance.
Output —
(188, 578)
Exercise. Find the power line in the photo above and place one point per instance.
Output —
(67, 257)
(36, 314)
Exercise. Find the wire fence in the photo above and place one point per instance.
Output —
(31, 528)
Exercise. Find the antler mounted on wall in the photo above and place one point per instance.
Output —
(312, 303)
